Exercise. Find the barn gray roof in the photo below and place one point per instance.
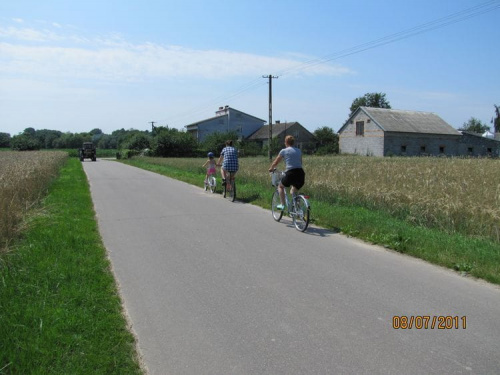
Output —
(263, 132)
(393, 120)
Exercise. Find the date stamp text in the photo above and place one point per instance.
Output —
(429, 322)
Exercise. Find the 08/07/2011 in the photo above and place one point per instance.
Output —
(429, 322)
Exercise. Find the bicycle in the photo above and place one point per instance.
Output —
(211, 183)
(230, 186)
(298, 208)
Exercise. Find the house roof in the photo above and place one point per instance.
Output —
(278, 128)
(194, 125)
(393, 120)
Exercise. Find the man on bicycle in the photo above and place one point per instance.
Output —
(229, 159)
(294, 174)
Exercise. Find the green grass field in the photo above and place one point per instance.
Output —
(422, 228)
(60, 312)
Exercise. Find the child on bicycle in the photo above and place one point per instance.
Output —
(228, 160)
(294, 174)
(210, 165)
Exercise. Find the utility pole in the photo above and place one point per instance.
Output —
(152, 126)
(270, 77)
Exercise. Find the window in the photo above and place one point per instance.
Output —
(489, 150)
(441, 150)
(403, 149)
(470, 150)
(360, 128)
(423, 149)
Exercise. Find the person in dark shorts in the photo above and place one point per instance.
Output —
(294, 174)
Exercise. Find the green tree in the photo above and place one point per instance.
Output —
(24, 142)
(328, 141)
(139, 141)
(108, 142)
(374, 99)
(216, 141)
(4, 140)
(173, 143)
(475, 126)
(47, 137)
(496, 120)
(29, 132)
(95, 131)
(70, 140)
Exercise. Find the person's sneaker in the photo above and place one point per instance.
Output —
(280, 207)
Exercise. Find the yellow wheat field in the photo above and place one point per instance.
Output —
(24, 178)
(452, 194)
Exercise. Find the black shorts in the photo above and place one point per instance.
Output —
(294, 177)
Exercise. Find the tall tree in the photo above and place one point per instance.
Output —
(4, 139)
(496, 120)
(474, 125)
(328, 141)
(374, 99)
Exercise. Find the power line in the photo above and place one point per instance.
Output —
(453, 18)
(426, 27)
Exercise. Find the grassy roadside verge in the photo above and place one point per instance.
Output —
(472, 256)
(60, 312)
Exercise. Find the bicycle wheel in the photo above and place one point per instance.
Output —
(230, 190)
(277, 214)
(233, 190)
(302, 213)
(212, 184)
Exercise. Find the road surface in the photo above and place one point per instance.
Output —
(214, 287)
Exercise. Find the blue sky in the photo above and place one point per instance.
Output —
(79, 65)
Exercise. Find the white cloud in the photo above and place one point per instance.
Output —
(112, 58)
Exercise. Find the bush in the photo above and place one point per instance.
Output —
(24, 142)
(172, 142)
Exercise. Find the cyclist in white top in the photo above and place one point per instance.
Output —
(294, 174)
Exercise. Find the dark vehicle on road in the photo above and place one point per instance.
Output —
(88, 151)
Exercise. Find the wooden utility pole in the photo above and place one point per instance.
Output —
(152, 126)
(270, 77)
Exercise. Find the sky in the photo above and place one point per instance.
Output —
(74, 65)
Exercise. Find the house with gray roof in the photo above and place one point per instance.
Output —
(386, 132)
(226, 119)
(304, 139)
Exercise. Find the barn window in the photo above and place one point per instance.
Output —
(441, 149)
(423, 149)
(470, 150)
(403, 149)
(360, 128)
(489, 150)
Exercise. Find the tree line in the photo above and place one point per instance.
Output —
(162, 141)
(165, 141)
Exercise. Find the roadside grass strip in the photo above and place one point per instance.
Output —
(474, 256)
(60, 311)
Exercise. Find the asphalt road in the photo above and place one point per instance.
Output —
(214, 287)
